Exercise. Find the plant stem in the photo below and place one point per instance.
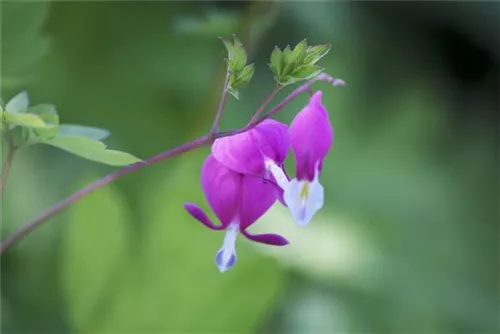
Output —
(265, 103)
(222, 103)
(7, 165)
(26, 229)
(197, 143)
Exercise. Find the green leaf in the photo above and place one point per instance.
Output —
(92, 150)
(83, 131)
(306, 72)
(287, 60)
(240, 55)
(18, 104)
(237, 56)
(315, 53)
(177, 270)
(276, 61)
(244, 77)
(299, 51)
(27, 120)
(49, 114)
(93, 252)
(229, 47)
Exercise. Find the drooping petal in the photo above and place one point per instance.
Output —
(226, 256)
(222, 189)
(257, 196)
(311, 137)
(18, 104)
(201, 216)
(246, 152)
(268, 239)
(304, 199)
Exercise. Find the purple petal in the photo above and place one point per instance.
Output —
(239, 153)
(311, 137)
(257, 196)
(268, 239)
(199, 215)
(276, 143)
(222, 188)
(246, 152)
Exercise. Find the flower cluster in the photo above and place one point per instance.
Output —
(244, 176)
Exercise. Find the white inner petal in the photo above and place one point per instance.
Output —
(278, 173)
(304, 199)
(228, 251)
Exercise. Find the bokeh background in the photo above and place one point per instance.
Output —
(407, 241)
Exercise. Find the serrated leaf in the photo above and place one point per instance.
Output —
(244, 76)
(27, 120)
(306, 72)
(18, 104)
(315, 53)
(93, 250)
(83, 131)
(276, 61)
(92, 150)
(299, 51)
(288, 63)
(240, 56)
(229, 47)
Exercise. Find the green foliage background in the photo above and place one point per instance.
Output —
(407, 241)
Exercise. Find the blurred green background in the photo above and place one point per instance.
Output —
(407, 241)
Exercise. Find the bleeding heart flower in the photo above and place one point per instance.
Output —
(311, 137)
(238, 201)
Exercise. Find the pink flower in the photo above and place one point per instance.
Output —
(311, 137)
(238, 201)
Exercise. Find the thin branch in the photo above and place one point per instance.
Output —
(222, 103)
(197, 143)
(9, 158)
(265, 103)
(26, 229)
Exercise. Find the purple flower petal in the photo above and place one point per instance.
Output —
(201, 216)
(257, 196)
(222, 189)
(246, 152)
(276, 143)
(268, 239)
(311, 137)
